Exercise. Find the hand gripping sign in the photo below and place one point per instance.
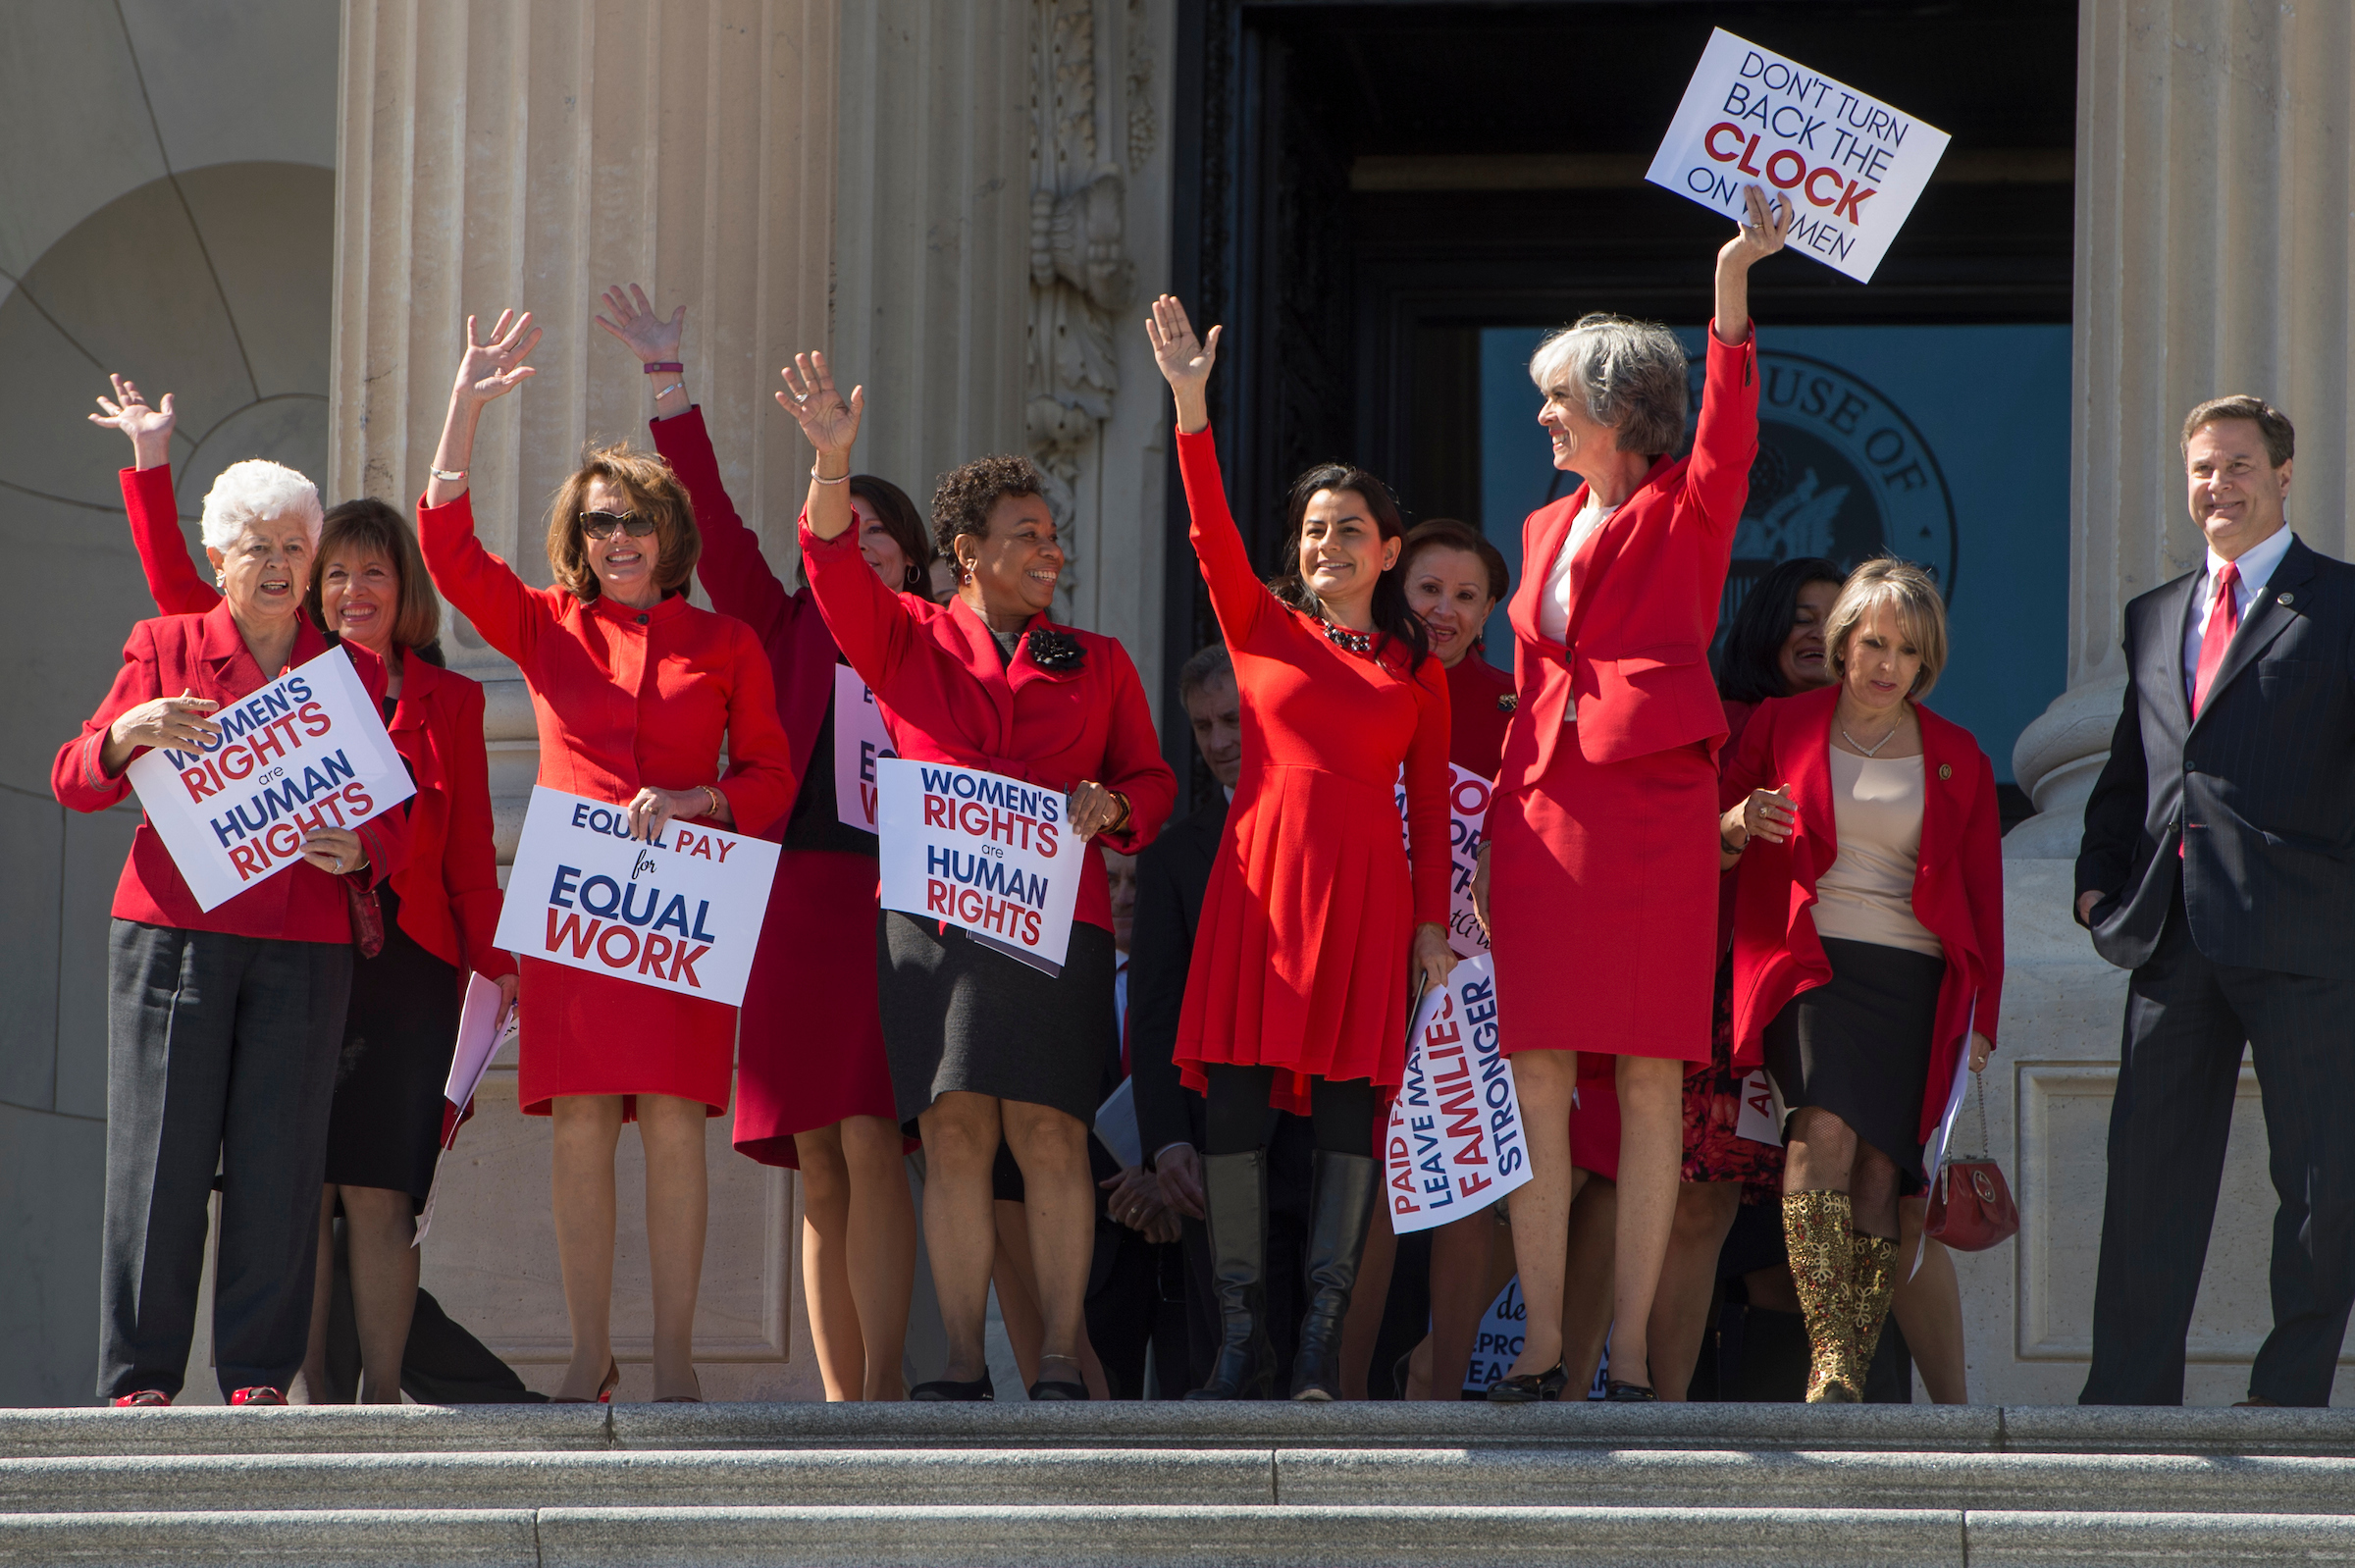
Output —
(860, 741)
(990, 854)
(308, 751)
(682, 913)
(1454, 1143)
(1848, 166)
(1467, 821)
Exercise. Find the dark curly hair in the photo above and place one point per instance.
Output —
(1393, 618)
(961, 502)
(1749, 667)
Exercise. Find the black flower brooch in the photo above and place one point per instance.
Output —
(1055, 650)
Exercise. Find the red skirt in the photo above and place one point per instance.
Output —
(1594, 1118)
(587, 1034)
(1603, 895)
(812, 1049)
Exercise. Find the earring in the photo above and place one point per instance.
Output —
(221, 582)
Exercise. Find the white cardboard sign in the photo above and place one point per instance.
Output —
(1467, 819)
(682, 913)
(990, 854)
(860, 741)
(1454, 1142)
(1499, 1343)
(1760, 1120)
(308, 751)
(482, 1030)
(1850, 166)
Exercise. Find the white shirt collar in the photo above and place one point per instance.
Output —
(2258, 562)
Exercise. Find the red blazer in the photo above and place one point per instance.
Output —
(207, 654)
(948, 697)
(449, 883)
(1645, 600)
(1480, 710)
(625, 698)
(1957, 881)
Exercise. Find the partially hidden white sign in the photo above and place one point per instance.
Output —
(1850, 166)
(860, 741)
(306, 752)
(1454, 1143)
(1467, 819)
(990, 854)
(682, 913)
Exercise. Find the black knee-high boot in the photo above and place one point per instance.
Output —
(1235, 1186)
(1340, 1208)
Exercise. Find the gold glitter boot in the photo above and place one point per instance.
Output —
(1817, 1233)
(1872, 1285)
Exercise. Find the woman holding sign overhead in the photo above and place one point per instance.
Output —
(636, 691)
(983, 1046)
(1312, 927)
(1601, 909)
(222, 1025)
(813, 1085)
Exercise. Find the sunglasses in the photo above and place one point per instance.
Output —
(603, 525)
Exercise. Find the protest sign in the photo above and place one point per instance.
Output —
(480, 1032)
(306, 752)
(1453, 1145)
(990, 854)
(859, 742)
(1848, 165)
(1499, 1343)
(1467, 819)
(682, 913)
(1760, 1120)
(1933, 1158)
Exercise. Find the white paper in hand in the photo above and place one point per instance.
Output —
(480, 1035)
(1933, 1158)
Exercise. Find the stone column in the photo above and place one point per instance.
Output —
(2214, 181)
(526, 153)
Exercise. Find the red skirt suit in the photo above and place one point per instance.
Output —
(811, 1049)
(625, 699)
(1602, 876)
(1300, 960)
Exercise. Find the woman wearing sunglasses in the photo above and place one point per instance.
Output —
(635, 691)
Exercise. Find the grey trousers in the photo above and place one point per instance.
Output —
(221, 1054)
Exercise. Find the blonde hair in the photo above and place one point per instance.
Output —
(1904, 588)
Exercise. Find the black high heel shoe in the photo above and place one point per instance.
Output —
(943, 1390)
(1616, 1393)
(1048, 1390)
(1531, 1387)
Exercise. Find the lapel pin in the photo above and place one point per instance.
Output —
(1946, 770)
(2286, 598)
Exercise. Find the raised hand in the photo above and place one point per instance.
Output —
(495, 367)
(1769, 226)
(830, 423)
(149, 428)
(648, 335)
(1185, 361)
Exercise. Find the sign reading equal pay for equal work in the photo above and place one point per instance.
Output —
(682, 913)
(990, 854)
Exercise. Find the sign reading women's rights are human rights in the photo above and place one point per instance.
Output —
(993, 855)
(681, 912)
(1850, 166)
(306, 752)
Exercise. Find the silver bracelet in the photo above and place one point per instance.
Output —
(823, 480)
(448, 477)
(662, 392)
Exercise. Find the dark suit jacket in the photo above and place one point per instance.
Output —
(1172, 876)
(2259, 791)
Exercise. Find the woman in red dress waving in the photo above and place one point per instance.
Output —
(1297, 996)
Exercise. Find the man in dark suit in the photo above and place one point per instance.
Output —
(1172, 876)
(2218, 865)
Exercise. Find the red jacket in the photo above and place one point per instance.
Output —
(449, 883)
(1957, 879)
(948, 697)
(1647, 597)
(207, 654)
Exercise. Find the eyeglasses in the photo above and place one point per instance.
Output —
(603, 525)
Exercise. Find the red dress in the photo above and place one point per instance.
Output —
(1300, 960)
(1602, 874)
(811, 1049)
(625, 699)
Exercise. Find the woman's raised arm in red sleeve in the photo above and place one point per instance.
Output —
(179, 589)
(733, 571)
(469, 857)
(1428, 776)
(1133, 762)
(482, 588)
(1727, 437)
(1983, 884)
(760, 782)
(1236, 595)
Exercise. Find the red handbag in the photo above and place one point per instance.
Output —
(1971, 1203)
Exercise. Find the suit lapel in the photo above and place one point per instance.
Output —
(1804, 751)
(980, 654)
(2268, 617)
(2176, 623)
(223, 650)
(1538, 564)
(1022, 671)
(1604, 547)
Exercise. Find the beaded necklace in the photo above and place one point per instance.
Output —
(1343, 637)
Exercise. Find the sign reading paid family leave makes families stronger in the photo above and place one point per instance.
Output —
(306, 752)
(1467, 819)
(1454, 1143)
(860, 741)
(1850, 166)
(976, 850)
(682, 913)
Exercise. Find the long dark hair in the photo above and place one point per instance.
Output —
(1393, 620)
(1750, 665)
(377, 527)
(900, 519)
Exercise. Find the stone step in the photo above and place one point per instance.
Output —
(1140, 1536)
(1492, 1477)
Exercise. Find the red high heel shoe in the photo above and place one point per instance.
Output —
(604, 1393)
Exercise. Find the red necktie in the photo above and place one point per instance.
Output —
(2224, 619)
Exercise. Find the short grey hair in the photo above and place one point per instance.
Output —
(255, 489)
(1631, 375)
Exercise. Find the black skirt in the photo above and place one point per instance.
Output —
(385, 1127)
(960, 1016)
(1860, 1047)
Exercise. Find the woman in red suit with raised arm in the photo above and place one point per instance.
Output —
(1602, 913)
(636, 691)
(983, 1047)
(812, 1086)
(1312, 926)
(369, 586)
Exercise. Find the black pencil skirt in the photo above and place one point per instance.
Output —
(386, 1128)
(1860, 1047)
